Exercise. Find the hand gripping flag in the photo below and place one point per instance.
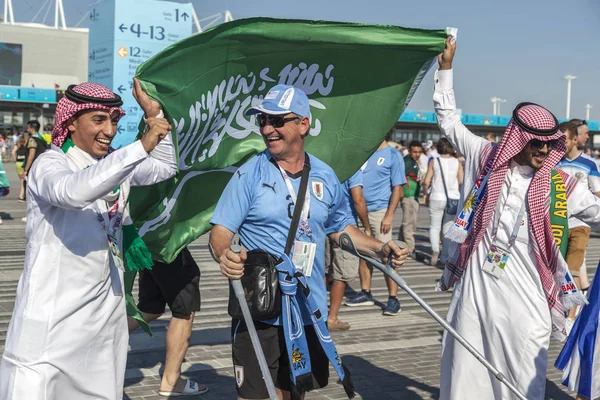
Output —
(359, 79)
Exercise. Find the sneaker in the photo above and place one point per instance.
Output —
(393, 306)
(361, 299)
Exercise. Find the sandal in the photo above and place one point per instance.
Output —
(191, 389)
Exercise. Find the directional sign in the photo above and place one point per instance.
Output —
(16, 93)
(124, 34)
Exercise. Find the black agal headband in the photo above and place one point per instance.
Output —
(82, 98)
(532, 129)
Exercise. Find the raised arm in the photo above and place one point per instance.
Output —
(52, 180)
(162, 163)
(160, 166)
(444, 103)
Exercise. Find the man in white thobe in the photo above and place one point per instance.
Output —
(506, 315)
(68, 336)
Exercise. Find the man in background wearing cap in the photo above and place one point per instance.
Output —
(511, 283)
(68, 337)
(258, 203)
(383, 177)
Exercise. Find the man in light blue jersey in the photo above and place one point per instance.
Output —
(585, 170)
(383, 177)
(343, 266)
(258, 203)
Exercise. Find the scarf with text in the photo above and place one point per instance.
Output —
(290, 280)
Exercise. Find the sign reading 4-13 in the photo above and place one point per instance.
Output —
(124, 34)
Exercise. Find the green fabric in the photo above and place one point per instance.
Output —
(413, 178)
(67, 144)
(4, 183)
(137, 256)
(558, 213)
(359, 79)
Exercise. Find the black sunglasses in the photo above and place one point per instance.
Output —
(537, 145)
(583, 122)
(276, 121)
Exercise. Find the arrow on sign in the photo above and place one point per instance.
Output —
(184, 16)
(122, 28)
(119, 129)
(122, 52)
(121, 89)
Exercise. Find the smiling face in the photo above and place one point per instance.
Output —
(92, 131)
(532, 156)
(288, 140)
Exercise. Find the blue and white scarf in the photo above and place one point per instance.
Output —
(290, 279)
(460, 230)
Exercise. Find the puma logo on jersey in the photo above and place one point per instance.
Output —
(240, 174)
(270, 187)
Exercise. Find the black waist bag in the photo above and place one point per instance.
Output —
(261, 287)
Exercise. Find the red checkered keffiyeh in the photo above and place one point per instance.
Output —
(67, 108)
(547, 254)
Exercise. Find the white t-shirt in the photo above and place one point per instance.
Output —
(450, 166)
(423, 162)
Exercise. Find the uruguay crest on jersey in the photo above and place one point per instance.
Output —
(318, 187)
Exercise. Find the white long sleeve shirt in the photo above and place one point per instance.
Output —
(68, 336)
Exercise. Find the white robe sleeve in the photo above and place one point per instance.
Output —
(161, 165)
(51, 179)
(444, 103)
(585, 206)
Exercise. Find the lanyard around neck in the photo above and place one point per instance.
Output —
(298, 214)
(292, 191)
(515, 231)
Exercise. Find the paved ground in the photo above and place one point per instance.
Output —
(390, 357)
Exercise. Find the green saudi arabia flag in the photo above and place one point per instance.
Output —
(359, 79)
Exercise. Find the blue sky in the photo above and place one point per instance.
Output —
(518, 50)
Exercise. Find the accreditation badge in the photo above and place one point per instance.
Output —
(304, 256)
(496, 261)
(115, 252)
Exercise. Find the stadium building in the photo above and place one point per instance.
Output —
(37, 63)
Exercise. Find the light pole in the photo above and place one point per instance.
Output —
(569, 78)
(588, 107)
(496, 101)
